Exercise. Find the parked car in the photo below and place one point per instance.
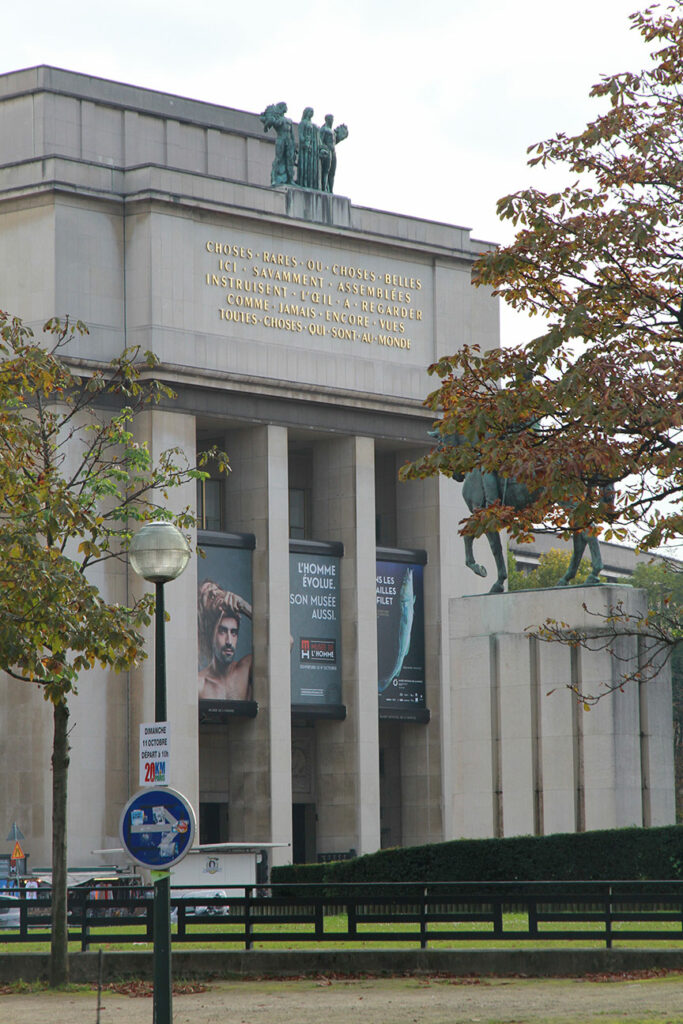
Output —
(200, 909)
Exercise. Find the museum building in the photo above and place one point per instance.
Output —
(295, 329)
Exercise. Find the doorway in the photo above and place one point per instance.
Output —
(303, 834)
(213, 823)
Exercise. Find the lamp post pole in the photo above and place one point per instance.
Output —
(163, 983)
(159, 553)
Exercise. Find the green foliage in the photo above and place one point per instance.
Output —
(664, 586)
(630, 853)
(299, 874)
(552, 565)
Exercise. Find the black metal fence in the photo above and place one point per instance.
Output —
(450, 913)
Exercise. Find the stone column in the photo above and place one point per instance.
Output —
(611, 736)
(162, 430)
(424, 747)
(475, 713)
(656, 743)
(517, 730)
(348, 751)
(560, 742)
(260, 748)
(428, 512)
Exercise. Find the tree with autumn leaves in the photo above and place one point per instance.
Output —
(74, 486)
(596, 396)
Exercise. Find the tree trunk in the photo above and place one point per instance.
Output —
(59, 955)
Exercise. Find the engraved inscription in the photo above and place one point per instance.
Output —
(285, 292)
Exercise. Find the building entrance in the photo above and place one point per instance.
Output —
(213, 823)
(303, 834)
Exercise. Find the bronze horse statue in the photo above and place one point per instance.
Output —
(482, 489)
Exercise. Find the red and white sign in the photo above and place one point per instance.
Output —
(155, 753)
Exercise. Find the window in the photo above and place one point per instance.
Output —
(210, 504)
(297, 512)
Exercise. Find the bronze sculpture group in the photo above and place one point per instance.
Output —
(481, 489)
(312, 161)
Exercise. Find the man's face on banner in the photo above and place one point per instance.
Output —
(225, 640)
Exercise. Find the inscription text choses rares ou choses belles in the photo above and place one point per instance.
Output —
(338, 300)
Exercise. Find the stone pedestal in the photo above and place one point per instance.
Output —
(529, 759)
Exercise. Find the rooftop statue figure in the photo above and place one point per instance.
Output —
(329, 137)
(308, 170)
(282, 172)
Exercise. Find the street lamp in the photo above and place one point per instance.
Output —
(159, 553)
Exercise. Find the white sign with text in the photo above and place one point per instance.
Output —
(155, 753)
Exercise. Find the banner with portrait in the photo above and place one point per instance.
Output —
(224, 627)
(315, 626)
(400, 640)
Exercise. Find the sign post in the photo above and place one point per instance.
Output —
(159, 553)
(157, 829)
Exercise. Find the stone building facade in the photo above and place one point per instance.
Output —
(296, 329)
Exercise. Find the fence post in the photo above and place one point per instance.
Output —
(319, 919)
(532, 911)
(608, 919)
(351, 918)
(85, 927)
(423, 919)
(23, 916)
(497, 919)
(247, 918)
(149, 918)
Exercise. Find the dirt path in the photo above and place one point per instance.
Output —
(386, 1001)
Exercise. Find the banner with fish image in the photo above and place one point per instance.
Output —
(400, 637)
(314, 622)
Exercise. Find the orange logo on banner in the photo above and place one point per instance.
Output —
(17, 852)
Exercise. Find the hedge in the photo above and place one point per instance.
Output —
(627, 854)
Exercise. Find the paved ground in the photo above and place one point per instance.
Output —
(381, 1001)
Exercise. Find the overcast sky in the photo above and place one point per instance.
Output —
(441, 97)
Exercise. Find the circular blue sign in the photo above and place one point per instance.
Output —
(157, 827)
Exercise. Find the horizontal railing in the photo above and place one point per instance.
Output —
(446, 912)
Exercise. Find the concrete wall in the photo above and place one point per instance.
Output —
(529, 758)
(257, 963)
